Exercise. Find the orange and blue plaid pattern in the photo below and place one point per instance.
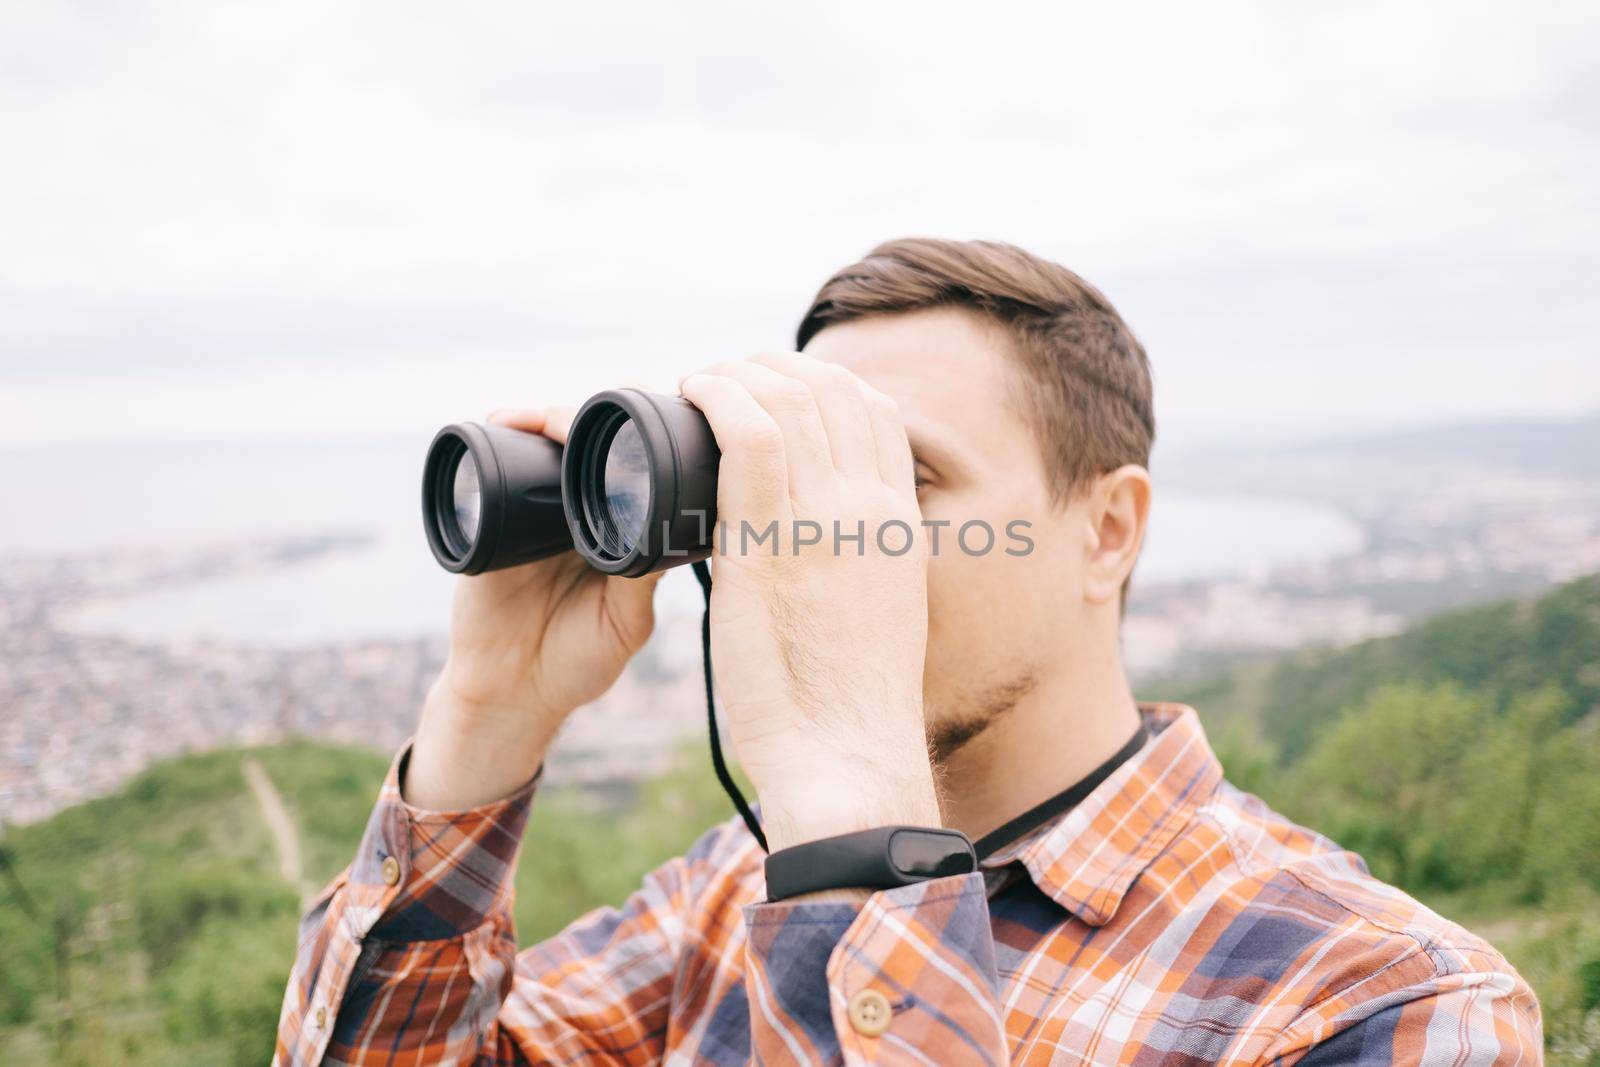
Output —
(1168, 918)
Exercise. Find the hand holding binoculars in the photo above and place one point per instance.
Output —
(634, 490)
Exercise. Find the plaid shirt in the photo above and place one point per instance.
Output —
(1169, 917)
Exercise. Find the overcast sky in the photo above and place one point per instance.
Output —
(257, 219)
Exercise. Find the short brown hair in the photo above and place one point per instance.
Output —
(1088, 395)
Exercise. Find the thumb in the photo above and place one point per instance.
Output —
(631, 604)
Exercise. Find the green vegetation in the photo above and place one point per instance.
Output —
(154, 927)
(1461, 758)
(161, 927)
(1494, 651)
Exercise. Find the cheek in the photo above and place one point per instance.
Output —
(995, 592)
(980, 601)
(960, 597)
(964, 629)
(990, 620)
(971, 598)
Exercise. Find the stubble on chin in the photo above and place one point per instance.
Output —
(973, 712)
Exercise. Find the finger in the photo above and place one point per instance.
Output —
(793, 407)
(841, 405)
(529, 420)
(752, 478)
(553, 422)
(558, 421)
(896, 466)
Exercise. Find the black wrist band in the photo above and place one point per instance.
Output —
(882, 858)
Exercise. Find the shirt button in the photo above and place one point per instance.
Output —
(391, 871)
(870, 1012)
(322, 1017)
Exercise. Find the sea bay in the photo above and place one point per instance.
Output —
(84, 499)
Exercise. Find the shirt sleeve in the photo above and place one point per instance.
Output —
(1478, 1015)
(410, 955)
(408, 951)
(907, 977)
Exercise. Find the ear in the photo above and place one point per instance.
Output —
(1119, 507)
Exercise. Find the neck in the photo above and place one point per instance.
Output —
(1065, 727)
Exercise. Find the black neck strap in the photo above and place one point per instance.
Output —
(702, 574)
(1063, 801)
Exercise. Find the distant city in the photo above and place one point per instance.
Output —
(86, 711)
(1449, 517)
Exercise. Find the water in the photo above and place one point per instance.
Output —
(1195, 536)
(86, 498)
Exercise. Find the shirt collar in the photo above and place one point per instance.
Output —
(1087, 859)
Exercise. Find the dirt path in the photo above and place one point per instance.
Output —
(285, 835)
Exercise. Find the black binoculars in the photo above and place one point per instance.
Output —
(634, 490)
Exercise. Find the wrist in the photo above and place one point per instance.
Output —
(468, 752)
(475, 692)
(828, 806)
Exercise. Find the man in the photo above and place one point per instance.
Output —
(1130, 905)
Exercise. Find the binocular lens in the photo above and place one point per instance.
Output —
(627, 489)
(467, 497)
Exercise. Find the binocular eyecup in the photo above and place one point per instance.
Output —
(633, 491)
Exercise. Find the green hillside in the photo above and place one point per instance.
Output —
(1494, 650)
(156, 927)
(1461, 758)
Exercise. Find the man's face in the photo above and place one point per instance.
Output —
(997, 622)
